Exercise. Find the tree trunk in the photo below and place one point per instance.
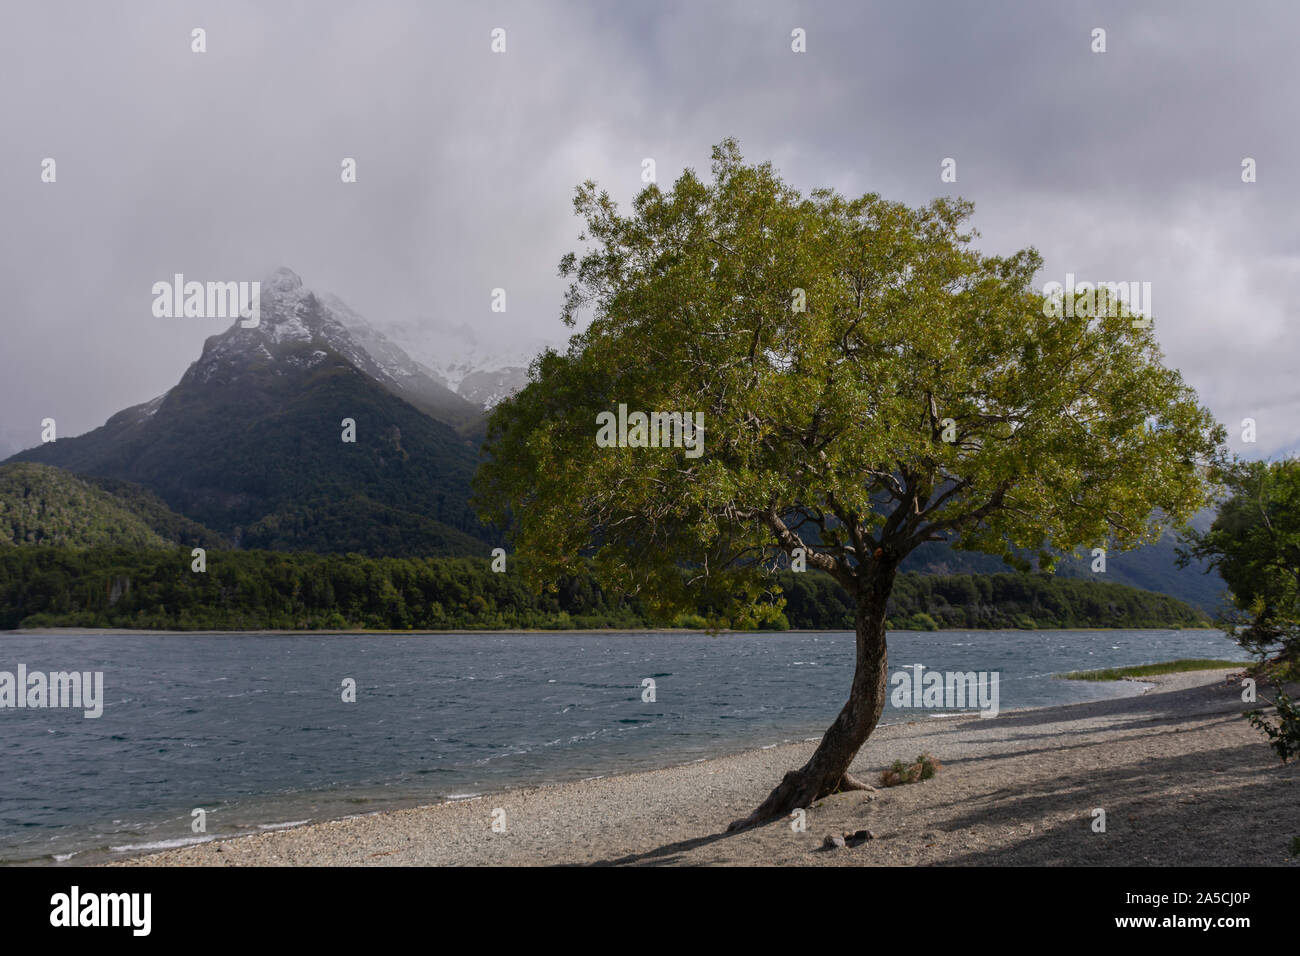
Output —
(826, 772)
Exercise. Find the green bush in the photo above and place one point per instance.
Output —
(925, 767)
(1284, 737)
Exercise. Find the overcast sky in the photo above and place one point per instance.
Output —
(1123, 165)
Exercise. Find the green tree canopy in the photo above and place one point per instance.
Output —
(868, 382)
(1254, 543)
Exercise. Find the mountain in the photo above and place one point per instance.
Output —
(249, 441)
(468, 361)
(384, 361)
(1151, 567)
(486, 388)
(43, 505)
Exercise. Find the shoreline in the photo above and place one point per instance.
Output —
(1181, 775)
(325, 632)
(271, 811)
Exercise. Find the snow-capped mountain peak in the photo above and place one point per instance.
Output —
(299, 330)
(467, 360)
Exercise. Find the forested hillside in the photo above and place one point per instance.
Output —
(259, 589)
(43, 505)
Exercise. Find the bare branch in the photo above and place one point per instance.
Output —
(789, 541)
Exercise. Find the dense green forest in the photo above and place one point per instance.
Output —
(43, 505)
(994, 601)
(117, 588)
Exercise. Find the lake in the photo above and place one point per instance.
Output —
(254, 728)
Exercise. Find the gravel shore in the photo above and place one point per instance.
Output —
(1181, 776)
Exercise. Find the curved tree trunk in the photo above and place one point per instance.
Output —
(826, 772)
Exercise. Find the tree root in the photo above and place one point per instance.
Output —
(850, 782)
(794, 792)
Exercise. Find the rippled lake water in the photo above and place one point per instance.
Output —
(253, 728)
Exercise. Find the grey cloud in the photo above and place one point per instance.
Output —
(225, 165)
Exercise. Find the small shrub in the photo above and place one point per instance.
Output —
(925, 767)
(1285, 736)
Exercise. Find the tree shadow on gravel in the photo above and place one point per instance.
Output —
(668, 853)
(1152, 815)
(1169, 705)
(1152, 728)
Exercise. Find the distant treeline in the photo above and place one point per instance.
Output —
(992, 601)
(250, 590)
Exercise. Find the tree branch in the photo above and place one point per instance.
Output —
(789, 541)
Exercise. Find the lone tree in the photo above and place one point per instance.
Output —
(868, 382)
